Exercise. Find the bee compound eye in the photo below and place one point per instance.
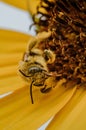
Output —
(34, 69)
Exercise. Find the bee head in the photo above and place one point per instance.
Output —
(36, 74)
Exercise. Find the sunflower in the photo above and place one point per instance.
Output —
(65, 105)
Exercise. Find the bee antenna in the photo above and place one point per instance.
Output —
(23, 73)
(31, 85)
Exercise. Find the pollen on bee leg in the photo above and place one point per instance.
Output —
(49, 56)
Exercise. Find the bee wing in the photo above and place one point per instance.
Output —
(31, 44)
(34, 42)
(43, 35)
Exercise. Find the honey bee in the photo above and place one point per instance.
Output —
(33, 66)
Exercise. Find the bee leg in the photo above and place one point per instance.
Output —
(45, 90)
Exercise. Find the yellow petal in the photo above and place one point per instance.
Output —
(10, 84)
(73, 115)
(13, 44)
(32, 6)
(8, 71)
(22, 4)
(17, 112)
(12, 41)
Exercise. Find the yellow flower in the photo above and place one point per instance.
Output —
(64, 104)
